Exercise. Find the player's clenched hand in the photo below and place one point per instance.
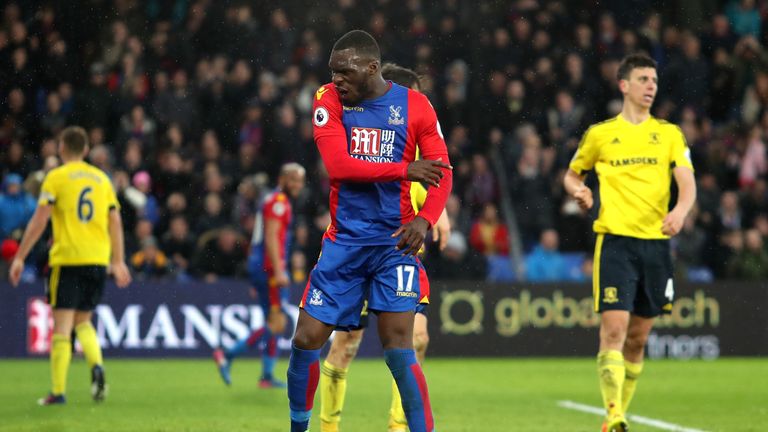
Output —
(121, 273)
(427, 171)
(14, 273)
(412, 235)
(281, 279)
(673, 223)
(583, 197)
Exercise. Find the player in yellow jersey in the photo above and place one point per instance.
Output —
(333, 378)
(87, 238)
(635, 156)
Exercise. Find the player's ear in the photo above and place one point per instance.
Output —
(623, 85)
(373, 67)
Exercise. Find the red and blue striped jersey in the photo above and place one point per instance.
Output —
(366, 149)
(275, 206)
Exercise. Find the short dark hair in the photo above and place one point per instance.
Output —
(360, 41)
(75, 140)
(634, 61)
(400, 75)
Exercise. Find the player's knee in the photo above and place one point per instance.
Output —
(635, 343)
(343, 351)
(307, 339)
(420, 341)
(353, 345)
(613, 336)
(396, 338)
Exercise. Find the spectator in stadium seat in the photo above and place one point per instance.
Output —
(755, 202)
(133, 157)
(488, 235)
(151, 209)
(565, 118)
(149, 262)
(136, 125)
(18, 123)
(213, 216)
(141, 232)
(456, 262)
(93, 104)
(546, 263)
(687, 76)
(483, 188)
(175, 205)
(754, 164)
(178, 105)
(179, 245)
(573, 228)
(751, 263)
(16, 160)
(532, 191)
(16, 206)
(708, 199)
(688, 246)
(53, 119)
(744, 17)
(221, 254)
(720, 35)
(174, 175)
(113, 49)
(722, 86)
(729, 214)
(730, 243)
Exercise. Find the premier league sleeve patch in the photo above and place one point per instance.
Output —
(320, 117)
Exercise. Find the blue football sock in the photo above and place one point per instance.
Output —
(269, 354)
(303, 376)
(300, 421)
(413, 388)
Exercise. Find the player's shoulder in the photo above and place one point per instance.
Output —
(277, 204)
(327, 93)
(416, 97)
(276, 196)
(326, 102)
(604, 126)
(57, 173)
(96, 171)
(664, 124)
(598, 130)
(280, 196)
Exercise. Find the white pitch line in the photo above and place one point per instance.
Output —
(660, 424)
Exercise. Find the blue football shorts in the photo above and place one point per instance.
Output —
(345, 276)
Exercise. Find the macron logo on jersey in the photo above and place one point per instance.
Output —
(373, 145)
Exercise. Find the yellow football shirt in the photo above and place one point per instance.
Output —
(634, 167)
(418, 195)
(81, 196)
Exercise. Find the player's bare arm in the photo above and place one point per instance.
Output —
(442, 230)
(575, 187)
(32, 234)
(117, 264)
(686, 186)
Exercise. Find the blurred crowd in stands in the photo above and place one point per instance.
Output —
(193, 105)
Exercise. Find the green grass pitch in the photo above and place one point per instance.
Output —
(467, 395)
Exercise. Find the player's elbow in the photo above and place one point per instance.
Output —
(339, 175)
